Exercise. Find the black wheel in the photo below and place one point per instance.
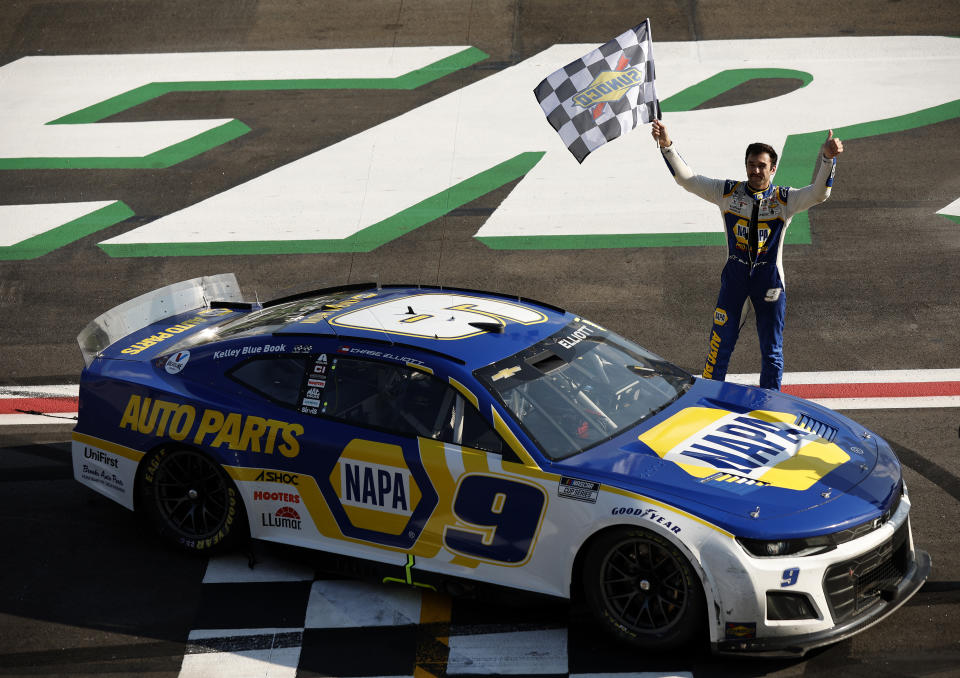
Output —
(191, 500)
(643, 589)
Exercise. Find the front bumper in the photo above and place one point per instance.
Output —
(797, 646)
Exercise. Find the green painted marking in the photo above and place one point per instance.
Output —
(140, 95)
(408, 576)
(231, 130)
(166, 157)
(42, 243)
(800, 152)
(724, 81)
(796, 166)
(601, 241)
(365, 240)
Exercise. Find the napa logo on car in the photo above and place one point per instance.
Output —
(760, 445)
(375, 486)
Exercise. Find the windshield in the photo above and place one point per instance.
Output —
(581, 386)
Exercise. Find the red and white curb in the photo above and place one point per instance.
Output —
(865, 390)
(854, 390)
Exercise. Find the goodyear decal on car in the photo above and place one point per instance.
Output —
(759, 445)
(241, 432)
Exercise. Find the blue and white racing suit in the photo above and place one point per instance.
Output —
(755, 272)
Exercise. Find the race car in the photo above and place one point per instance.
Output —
(451, 435)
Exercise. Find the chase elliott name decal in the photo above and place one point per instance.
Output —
(759, 445)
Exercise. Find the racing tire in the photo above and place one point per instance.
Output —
(191, 501)
(643, 590)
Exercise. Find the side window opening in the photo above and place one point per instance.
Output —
(277, 378)
(386, 396)
(404, 400)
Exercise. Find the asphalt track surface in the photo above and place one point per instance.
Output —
(85, 591)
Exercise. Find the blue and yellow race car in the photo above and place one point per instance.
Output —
(460, 435)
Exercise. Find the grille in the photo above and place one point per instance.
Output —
(869, 526)
(825, 431)
(856, 585)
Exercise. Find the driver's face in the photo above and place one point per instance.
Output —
(760, 170)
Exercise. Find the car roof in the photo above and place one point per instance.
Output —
(469, 326)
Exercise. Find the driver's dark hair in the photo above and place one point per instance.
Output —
(756, 148)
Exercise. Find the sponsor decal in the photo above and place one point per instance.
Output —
(250, 350)
(261, 495)
(177, 362)
(316, 383)
(582, 490)
(712, 356)
(213, 428)
(741, 630)
(505, 373)
(608, 86)
(648, 514)
(100, 457)
(278, 477)
(773, 294)
(313, 392)
(374, 486)
(102, 476)
(285, 516)
(174, 330)
(720, 317)
(759, 445)
(576, 336)
(310, 402)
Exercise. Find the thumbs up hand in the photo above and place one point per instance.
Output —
(832, 147)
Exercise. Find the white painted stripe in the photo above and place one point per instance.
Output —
(854, 377)
(65, 418)
(235, 569)
(278, 660)
(519, 652)
(19, 222)
(887, 403)
(46, 391)
(953, 209)
(351, 604)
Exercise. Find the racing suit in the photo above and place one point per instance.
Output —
(753, 269)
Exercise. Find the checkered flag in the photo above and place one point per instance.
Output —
(604, 94)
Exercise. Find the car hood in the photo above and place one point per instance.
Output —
(743, 456)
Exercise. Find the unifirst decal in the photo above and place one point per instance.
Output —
(759, 445)
(213, 428)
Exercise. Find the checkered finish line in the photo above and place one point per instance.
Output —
(604, 94)
(284, 620)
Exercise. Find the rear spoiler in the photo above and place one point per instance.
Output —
(151, 307)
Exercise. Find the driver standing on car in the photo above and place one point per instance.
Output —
(756, 214)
